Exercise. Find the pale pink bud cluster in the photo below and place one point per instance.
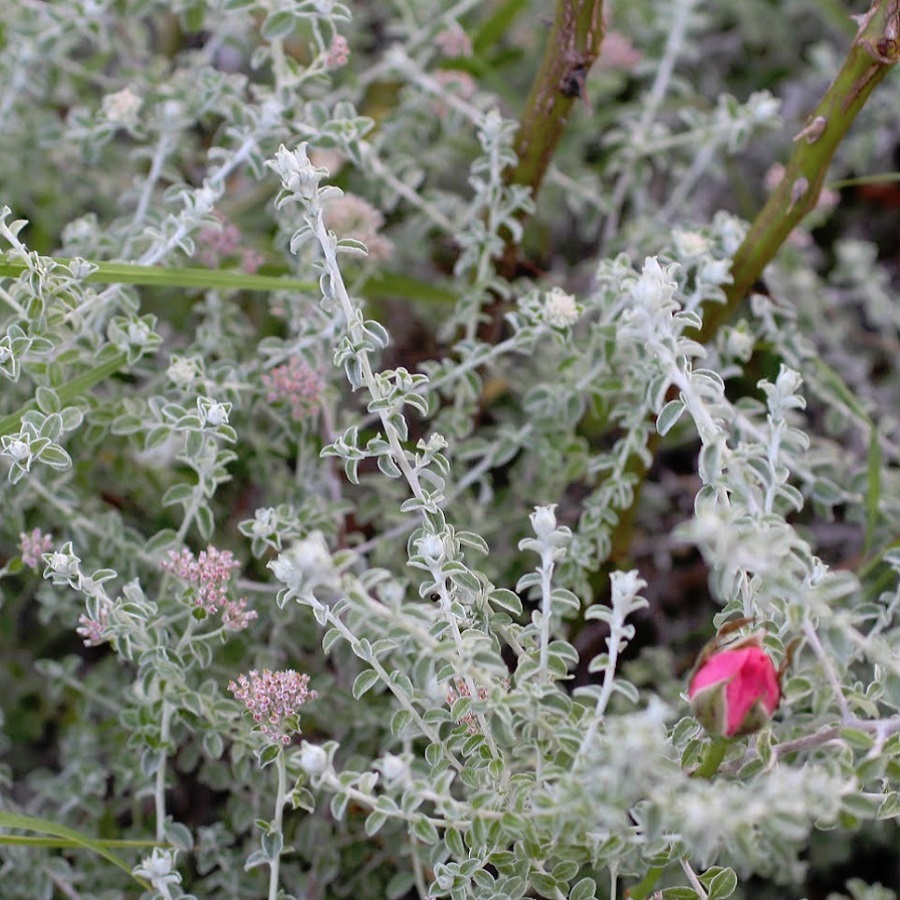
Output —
(338, 52)
(453, 41)
(218, 244)
(274, 700)
(461, 689)
(32, 545)
(353, 217)
(209, 574)
(236, 616)
(297, 384)
(618, 52)
(91, 630)
(452, 81)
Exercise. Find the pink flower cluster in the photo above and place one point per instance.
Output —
(33, 545)
(462, 690)
(209, 574)
(273, 699)
(453, 41)
(236, 616)
(350, 216)
(338, 52)
(452, 81)
(91, 630)
(217, 244)
(297, 384)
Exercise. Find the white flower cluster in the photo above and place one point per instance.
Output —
(560, 308)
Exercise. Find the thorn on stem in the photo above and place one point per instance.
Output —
(813, 130)
(574, 82)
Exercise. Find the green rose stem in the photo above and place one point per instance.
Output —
(709, 765)
(712, 757)
(572, 47)
(875, 50)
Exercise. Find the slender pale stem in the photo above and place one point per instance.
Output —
(825, 661)
(693, 879)
(277, 822)
(159, 788)
(546, 573)
(674, 45)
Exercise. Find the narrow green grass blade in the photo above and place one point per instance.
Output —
(882, 178)
(381, 285)
(127, 273)
(45, 826)
(24, 840)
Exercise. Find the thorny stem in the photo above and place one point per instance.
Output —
(875, 50)
(572, 47)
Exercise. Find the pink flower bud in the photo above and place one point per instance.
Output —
(735, 691)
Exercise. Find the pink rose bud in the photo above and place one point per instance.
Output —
(735, 690)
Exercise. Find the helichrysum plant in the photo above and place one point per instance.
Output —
(396, 398)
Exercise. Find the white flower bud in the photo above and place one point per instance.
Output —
(182, 371)
(543, 521)
(137, 333)
(394, 768)
(560, 308)
(18, 450)
(306, 564)
(121, 108)
(212, 412)
(313, 759)
(431, 547)
(690, 243)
